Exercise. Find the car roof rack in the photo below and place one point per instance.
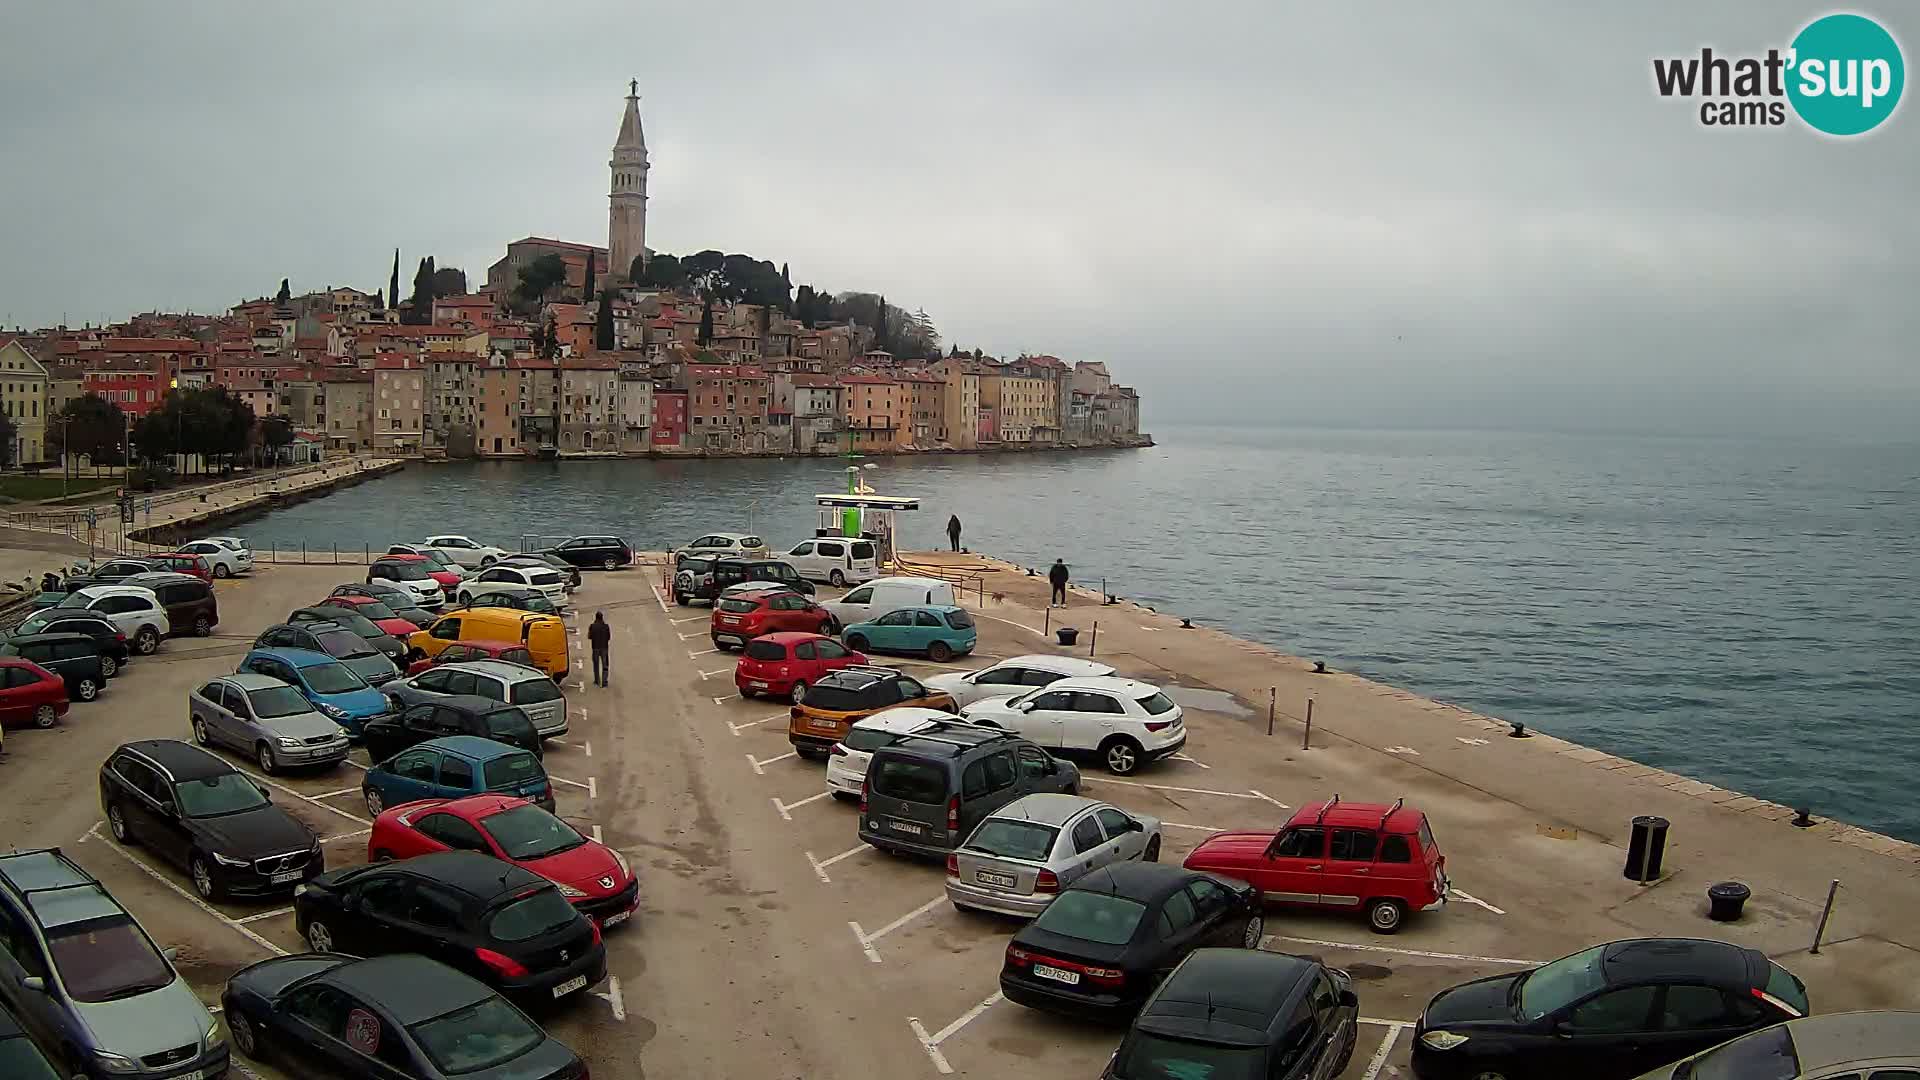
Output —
(944, 737)
(1326, 806)
(1391, 810)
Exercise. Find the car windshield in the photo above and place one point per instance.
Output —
(1767, 1054)
(332, 679)
(343, 644)
(374, 609)
(738, 606)
(528, 832)
(414, 615)
(766, 650)
(1014, 839)
(277, 701)
(107, 959)
(697, 566)
(409, 571)
(536, 602)
(1155, 703)
(480, 1036)
(540, 912)
(533, 691)
(212, 796)
(510, 723)
(1561, 983)
(1092, 916)
(508, 773)
(836, 699)
(437, 558)
(357, 623)
(1155, 1057)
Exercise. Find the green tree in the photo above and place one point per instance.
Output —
(393, 284)
(9, 439)
(586, 291)
(662, 271)
(276, 433)
(706, 318)
(550, 340)
(537, 278)
(90, 425)
(803, 304)
(603, 324)
(449, 281)
(285, 294)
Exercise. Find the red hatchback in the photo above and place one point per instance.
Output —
(378, 613)
(783, 665)
(183, 562)
(448, 579)
(741, 617)
(1340, 856)
(593, 876)
(30, 694)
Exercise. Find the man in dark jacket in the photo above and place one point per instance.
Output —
(953, 531)
(598, 635)
(1058, 576)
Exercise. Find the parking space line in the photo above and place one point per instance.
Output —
(729, 697)
(867, 940)
(345, 836)
(784, 807)
(589, 785)
(688, 637)
(711, 674)
(260, 915)
(586, 744)
(664, 609)
(738, 728)
(596, 836)
(1186, 790)
(307, 798)
(1191, 761)
(1195, 828)
(820, 865)
(1379, 1059)
(331, 794)
(194, 900)
(355, 764)
(931, 1043)
(613, 999)
(691, 655)
(1401, 952)
(1269, 798)
(759, 767)
(695, 618)
(1469, 898)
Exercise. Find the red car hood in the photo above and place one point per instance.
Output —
(1228, 849)
(446, 578)
(399, 628)
(583, 868)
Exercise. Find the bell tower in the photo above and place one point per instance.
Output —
(627, 194)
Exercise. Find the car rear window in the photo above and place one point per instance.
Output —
(862, 550)
(959, 620)
(1092, 916)
(859, 738)
(507, 773)
(738, 607)
(697, 565)
(511, 723)
(518, 656)
(541, 911)
(1155, 1057)
(535, 691)
(343, 643)
(1768, 1054)
(837, 699)
(1155, 703)
(1782, 984)
(545, 580)
(766, 650)
(908, 780)
(1013, 839)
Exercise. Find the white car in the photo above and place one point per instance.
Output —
(464, 550)
(847, 764)
(136, 611)
(1016, 675)
(237, 543)
(412, 577)
(883, 595)
(226, 560)
(1124, 722)
(548, 582)
(740, 545)
(834, 560)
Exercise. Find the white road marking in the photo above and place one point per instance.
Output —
(355, 764)
(1269, 798)
(695, 618)
(759, 767)
(1469, 898)
(196, 901)
(689, 637)
(596, 835)
(588, 744)
(1469, 742)
(1402, 952)
(1403, 750)
(729, 697)
(342, 791)
(931, 1043)
(1379, 1058)
(563, 780)
(867, 940)
(1035, 631)
(820, 865)
(613, 999)
(711, 674)
(664, 609)
(346, 836)
(738, 728)
(1190, 761)
(784, 807)
(1195, 828)
(258, 916)
(1188, 790)
(308, 798)
(579, 686)
(691, 655)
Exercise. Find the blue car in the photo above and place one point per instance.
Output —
(332, 687)
(453, 767)
(939, 632)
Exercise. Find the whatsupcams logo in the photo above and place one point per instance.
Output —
(1842, 75)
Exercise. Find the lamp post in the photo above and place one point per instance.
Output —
(179, 430)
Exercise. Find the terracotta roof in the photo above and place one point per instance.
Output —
(869, 380)
(452, 358)
(589, 363)
(724, 371)
(389, 362)
(133, 345)
(815, 381)
(581, 248)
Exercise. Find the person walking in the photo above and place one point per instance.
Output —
(953, 531)
(1058, 576)
(598, 635)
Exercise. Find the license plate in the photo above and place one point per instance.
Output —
(906, 827)
(732, 639)
(823, 725)
(1071, 978)
(988, 877)
(616, 919)
(729, 620)
(578, 982)
(756, 684)
(282, 879)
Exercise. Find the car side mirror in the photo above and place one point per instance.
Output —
(265, 792)
(1349, 999)
(169, 954)
(34, 983)
(1026, 706)
(1135, 826)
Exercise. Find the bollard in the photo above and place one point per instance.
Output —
(1273, 695)
(1825, 913)
(1306, 737)
(1646, 847)
(1094, 643)
(1046, 625)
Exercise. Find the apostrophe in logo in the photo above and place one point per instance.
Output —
(1842, 74)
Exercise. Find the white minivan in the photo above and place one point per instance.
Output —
(881, 595)
(834, 560)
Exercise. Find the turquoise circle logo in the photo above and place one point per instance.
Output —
(1847, 74)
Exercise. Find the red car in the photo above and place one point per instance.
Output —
(30, 694)
(593, 876)
(378, 613)
(740, 617)
(183, 562)
(784, 665)
(512, 652)
(448, 579)
(1338, 856)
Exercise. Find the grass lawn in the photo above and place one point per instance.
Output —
(23, 487)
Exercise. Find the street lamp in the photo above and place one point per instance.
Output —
(179, 430)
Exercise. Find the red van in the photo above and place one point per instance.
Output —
(1338, 855)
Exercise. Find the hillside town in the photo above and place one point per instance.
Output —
(571, 350)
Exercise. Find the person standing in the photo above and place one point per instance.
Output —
(1058, 576)
(953, 531)
(598, 637)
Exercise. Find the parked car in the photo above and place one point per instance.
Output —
(19, 1057)
(183, 562)
(109, 572)
(1015, 675)
(387, 1016)
(335, 691)
(227, 561)
(1368, 857)
(452, 767)
(516, 597)
(1612, 1011)
(706, 579)
(440, 560)
(74, 657)
(136, 611)
(393, 648)
(383, 617)
(414, 577)
(596, 552)
(459, 714)
(30, 694)
(1868, 1045)
(595, 878)
(460, 652)
(447, 579)
(839, 698)
(1121, 722)
(786, 665)
(336, 641)
(266, 719)
(847, 763)
(464, 550)
(237, 543)
(206, 817)
(545, 636)
(525, 577)
(881, 595)
(1101, 947)
(837, 560)
(926, 793)
(387, 592)
(1016, 860)
(1244, 1013)
(937, 633)
(499, 680)
(106, 634)
(552, 562)
(741, 617)
(189, 602)
(722, 544)
(85, 979)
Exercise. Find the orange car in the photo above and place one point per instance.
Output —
(842, 697)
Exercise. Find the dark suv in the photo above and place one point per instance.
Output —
(189, 602)
(702, 578)
(602, 552)
(925, 793)
(114, 650)
(73, 657)
(1245, 1012)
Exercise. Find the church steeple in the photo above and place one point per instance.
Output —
(631, 137)
(627, 195)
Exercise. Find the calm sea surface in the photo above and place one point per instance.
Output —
(1747, 613)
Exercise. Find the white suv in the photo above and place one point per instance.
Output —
(226, 560)
(464, 550)
(539, 578)
(136, 611)
(1124, 722)
(847, 765)
(1016, 675)
(835, 560)
(739, 545)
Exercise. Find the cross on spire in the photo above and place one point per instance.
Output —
(633, 88)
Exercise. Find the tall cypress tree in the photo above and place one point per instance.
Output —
(603, 324)
(284, 294)
(393, 285)
(586, 294)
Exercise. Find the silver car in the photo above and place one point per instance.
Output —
(499, 680)
(1021, 856)
(267, 720)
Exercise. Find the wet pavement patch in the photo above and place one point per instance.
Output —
(1209, 700)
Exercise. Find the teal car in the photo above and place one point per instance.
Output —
(938, 632)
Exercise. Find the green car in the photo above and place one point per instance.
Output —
(937, 632)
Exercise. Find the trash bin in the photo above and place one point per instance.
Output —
(1646, 848)
(1725, 900)
(1067, 635)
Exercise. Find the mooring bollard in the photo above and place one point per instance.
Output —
(1825, 913)
(1646, 848)
(1095, 641)
(1306, 737)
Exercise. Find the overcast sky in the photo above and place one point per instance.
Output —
(1395, 214)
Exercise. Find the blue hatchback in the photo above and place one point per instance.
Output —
(339, 694)
(452, 767)
(939, 632)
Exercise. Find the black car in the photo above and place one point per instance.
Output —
(111, 572)
(203, 815)
(926, 792)
(1615, 1010)
(1243, 1013)
(20, 1059)
(1103, 945)
(597, 552)
(459, 714)
(114, 650)
(517, 597)
(191, 606)
(389, 1016)
(74, 657)
(494, 920)
(702, 578)
(389, 646)
(335, 640)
